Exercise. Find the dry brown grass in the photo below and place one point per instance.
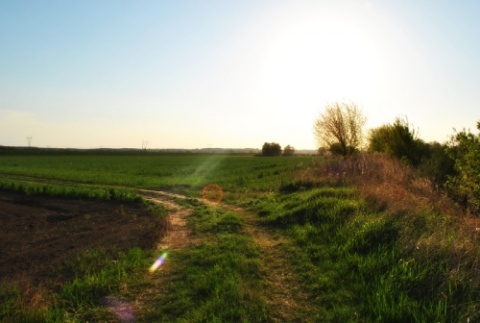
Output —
(384, 182)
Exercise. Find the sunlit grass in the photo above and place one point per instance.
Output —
(217, 280)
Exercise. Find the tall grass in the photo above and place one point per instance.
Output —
(384, 181)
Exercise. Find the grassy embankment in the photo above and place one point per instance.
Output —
(370, 240)
(386, 247)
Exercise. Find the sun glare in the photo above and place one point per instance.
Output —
(324, 58)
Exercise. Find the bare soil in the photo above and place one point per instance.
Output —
(38, 233)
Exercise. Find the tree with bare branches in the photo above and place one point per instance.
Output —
(340, 128)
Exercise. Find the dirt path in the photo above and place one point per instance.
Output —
(282, 288)
(177, 236)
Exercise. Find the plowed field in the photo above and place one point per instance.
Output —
(38, 233)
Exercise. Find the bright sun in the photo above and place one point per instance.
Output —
(329, 58)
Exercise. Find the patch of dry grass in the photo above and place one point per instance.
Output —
(385, 182)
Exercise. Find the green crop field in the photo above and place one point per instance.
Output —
(284, 245)
(181, 173)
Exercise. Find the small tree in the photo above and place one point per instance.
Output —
(340, 128)
(271, 149)
(288, 150)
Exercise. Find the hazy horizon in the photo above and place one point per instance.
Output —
(236, 74)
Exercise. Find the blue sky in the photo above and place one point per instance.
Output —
(231, 74)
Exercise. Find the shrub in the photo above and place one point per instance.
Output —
(436, 164)
(465, 151)
(397, 140)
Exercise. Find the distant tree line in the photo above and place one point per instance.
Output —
(274, 149)
(454, 166)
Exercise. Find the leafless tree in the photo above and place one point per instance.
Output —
(144, 144)
(340, 128)
(29, 141)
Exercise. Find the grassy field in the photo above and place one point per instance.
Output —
(185, 173)
(346, 256)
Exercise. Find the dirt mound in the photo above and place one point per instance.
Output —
(37, 233)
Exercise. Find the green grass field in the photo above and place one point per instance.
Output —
(185, 173)
(352, 262)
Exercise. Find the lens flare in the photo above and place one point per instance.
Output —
(212, 193)
(121, 308)
(160, 260)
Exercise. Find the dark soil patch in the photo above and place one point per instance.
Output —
(38, 233)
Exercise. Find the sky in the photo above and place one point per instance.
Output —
(231, 74)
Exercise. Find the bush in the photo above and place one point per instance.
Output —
(397, 140)
(436, 164)
(465, 152)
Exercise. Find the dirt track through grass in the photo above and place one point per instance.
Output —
(282, 289)
(176, 238)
